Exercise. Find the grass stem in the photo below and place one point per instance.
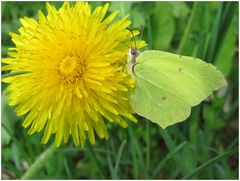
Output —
(210, 162)
(117, 163)
(39, 163)
(188, 28)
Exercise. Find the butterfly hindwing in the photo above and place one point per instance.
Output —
(158, 104)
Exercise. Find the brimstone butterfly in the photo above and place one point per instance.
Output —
(167, 85)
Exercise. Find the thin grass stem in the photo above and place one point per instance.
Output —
(188, 28)
(39, 163)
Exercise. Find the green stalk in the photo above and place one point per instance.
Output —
(39, 163)
(188, 28)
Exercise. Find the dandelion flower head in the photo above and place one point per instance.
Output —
(75, 79)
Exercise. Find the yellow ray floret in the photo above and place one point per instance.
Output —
(75, 80)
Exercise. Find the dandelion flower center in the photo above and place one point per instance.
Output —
(71, 68)
(69, 65)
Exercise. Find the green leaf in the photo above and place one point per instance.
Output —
(138, 18)
(180, 9)
(163, 26)
(124, 7)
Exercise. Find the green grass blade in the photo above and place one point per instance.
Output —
(109, 160)
(227, 15)
(210, 162)
(139, 154)
(214, 35)
(171, 145)
(39, 163)
(67, 168)
(148, 145)
(188, 28)
(167, 139)
(97, 162)
(117, 163)
(166, 158)
(133, 156)
(233, 143)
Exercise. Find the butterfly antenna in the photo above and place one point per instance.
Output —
(132, 35)
(122, 43)
(141, 34)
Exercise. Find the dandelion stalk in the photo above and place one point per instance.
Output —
(39, 163)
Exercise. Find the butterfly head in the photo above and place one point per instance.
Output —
(133, 51)
(133, 54)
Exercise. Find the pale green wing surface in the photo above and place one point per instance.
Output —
(157, 104)
(186, 81)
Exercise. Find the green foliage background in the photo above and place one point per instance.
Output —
(203, 147)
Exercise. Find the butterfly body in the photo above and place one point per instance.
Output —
(132, 55)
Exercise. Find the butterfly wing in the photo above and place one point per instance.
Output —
(158, 104)
(168, 85)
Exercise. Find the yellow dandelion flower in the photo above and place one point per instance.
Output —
(75, 78)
